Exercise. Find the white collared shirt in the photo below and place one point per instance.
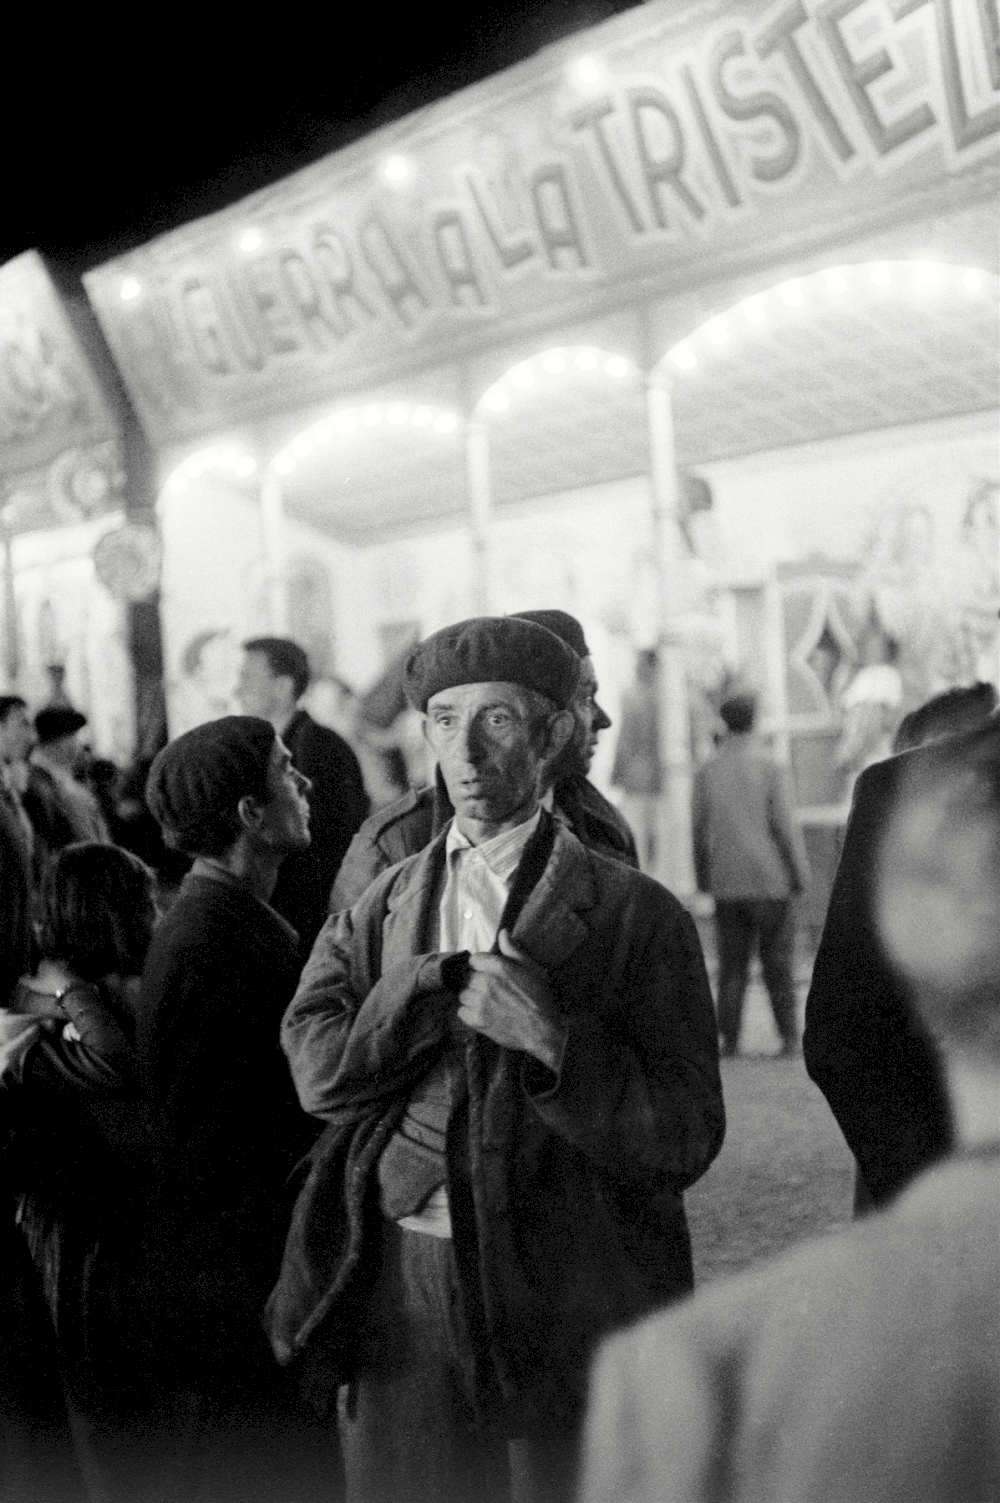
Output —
(477, 885)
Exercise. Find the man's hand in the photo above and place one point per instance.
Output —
(508, 998)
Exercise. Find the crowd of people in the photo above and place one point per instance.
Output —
(348, 1164)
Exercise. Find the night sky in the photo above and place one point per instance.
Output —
(118, 138)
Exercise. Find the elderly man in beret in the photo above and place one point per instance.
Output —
(220, 972)
(512, 1041)
(405, 826)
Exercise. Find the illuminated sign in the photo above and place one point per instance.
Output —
(682, 146)
(50, 399)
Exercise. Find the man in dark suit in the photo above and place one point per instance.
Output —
(273, 678)
(864, 1045)
(867, 1364)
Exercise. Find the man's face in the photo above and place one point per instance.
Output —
(258, 691)
(481, 736)
(17, 735)
(285, 823)
(590, 718)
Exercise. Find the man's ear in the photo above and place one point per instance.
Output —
(250, 811)
(561, 728)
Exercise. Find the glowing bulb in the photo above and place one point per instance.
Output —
(835, 282)
(684, 357)
(616, 367)
(395, 169)
(129, 290)
(554, 361)
(346, 422)
(586, 360)
(371, 415)
(972, 280)
(284, 464)
(881, 275)
(399, 412)
(250, 241)
(522, 376)
(716, 331)
(587, 71)
(754, 311)
(792, 294)
(245, 466)
(422, 417)
(497, 400)
(445, 422)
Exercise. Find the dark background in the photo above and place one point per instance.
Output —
(111, 139)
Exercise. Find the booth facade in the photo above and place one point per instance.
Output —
(686, 325)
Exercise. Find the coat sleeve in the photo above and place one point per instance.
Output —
(699, 832)
(638, 1089)
(353, 1037)
(863, 1044)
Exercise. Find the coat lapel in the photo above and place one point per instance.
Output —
(408, 907)
(551, 926)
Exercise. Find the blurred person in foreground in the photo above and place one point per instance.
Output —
(864, 1045)
(404, 827)
(512, 1040)
(220, 972)
(865, 1367)
(75, 1141)
(750, 855)
(274, 675)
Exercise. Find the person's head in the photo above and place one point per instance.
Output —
(938, 891)
(496, 693)
(227, 781)
(98, 908)
(17, 734)
(590, 718)
(57, 728)
(947, 714)
(739, 713)
(274, 675)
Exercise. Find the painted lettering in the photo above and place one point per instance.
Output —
(661, 170)
(557, 222)
(709, 138)
(860, 73)
(780, 37)
(966, 128)
(406, 296)
(592, 116)
(455, 256)
(762, 105)
(334, 261)
(241, 319)
(205, 327)
(511, 252)
(301, 287)
(268, 300)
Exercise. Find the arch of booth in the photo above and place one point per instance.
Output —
(469, 454)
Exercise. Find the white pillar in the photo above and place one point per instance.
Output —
(675, 862)
(272, 533)
(477, 468)
(774, 648)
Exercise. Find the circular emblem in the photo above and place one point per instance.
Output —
(127, 560)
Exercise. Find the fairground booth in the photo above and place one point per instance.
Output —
(687, 325)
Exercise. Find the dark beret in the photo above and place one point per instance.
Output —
(197, 780)
(57, 721)
(563, 624)
(492, 649)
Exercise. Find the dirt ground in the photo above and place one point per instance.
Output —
(784, 1172)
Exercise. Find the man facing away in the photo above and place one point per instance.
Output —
(864, 1367)
(750, 855)
(405, 826)
(220, 971)
(274, 675)
(512, 1040)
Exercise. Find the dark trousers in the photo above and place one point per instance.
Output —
(740, 925)
(410, 1427)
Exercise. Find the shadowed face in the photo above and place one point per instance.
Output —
(589, 716)
(481, 735)
(284, 824)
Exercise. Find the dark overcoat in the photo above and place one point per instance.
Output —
(565, 1189)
